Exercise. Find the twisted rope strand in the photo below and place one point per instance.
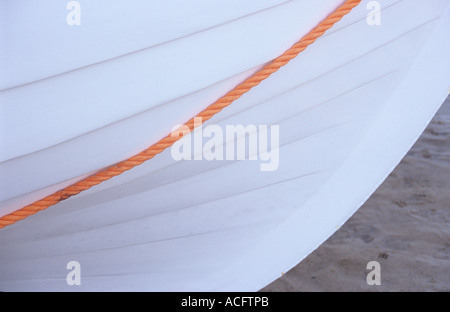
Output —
(169, 140)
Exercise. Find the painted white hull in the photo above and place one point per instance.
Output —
(349, 108)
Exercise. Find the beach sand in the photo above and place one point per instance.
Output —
(405, 226)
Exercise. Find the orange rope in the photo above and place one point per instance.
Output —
(169, 140)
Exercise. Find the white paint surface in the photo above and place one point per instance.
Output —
(349, 108)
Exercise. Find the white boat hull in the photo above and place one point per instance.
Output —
(349, 108)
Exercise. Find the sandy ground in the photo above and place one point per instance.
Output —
(405, 226)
